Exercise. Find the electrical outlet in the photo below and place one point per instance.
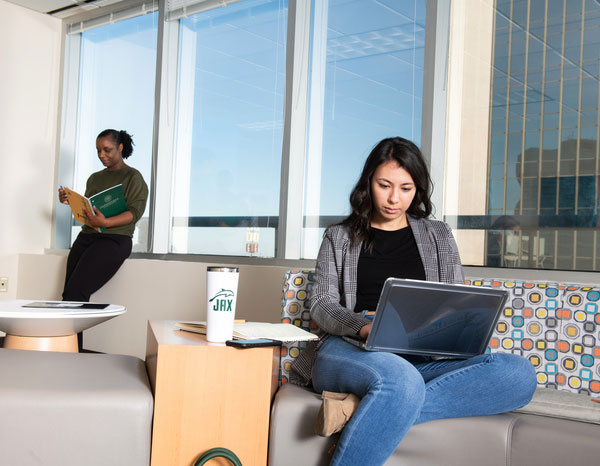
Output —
(3, 284)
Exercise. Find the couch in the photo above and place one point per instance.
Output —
(556, 326)
(71, 409)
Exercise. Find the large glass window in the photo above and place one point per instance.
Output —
(519, 180)
(229, 130)
(116, 90)
(366, 83)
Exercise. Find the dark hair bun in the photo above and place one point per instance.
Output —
(119, 137)
(127, 141)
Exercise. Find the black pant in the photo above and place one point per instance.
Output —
(93, 260)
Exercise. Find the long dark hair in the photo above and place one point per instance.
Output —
(119, 137)
(409, 157)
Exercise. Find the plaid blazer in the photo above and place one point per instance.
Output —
(333, 295)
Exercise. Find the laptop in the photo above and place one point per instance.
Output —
(433, 319)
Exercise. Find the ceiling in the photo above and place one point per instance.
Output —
(61, 8)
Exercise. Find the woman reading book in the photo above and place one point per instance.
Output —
(375, 397)
(103, 245)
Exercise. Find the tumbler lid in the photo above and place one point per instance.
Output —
(220, 268)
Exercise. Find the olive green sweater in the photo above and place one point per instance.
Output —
(136, 194)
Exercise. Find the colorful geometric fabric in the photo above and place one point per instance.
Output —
(297, 285)
(555, 326)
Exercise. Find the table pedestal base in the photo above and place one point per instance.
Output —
(63, 344)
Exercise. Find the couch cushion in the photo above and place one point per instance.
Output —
(556, 327)
(74, 409)
(510, 439)
(544, 441)
(292, 439)
(564, 405)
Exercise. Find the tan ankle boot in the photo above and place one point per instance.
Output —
(336, 410)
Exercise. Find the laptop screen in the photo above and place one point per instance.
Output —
(435, 319)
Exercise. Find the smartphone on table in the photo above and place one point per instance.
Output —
(256, 343)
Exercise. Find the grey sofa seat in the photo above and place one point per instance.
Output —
(511, 439)
(65, 409)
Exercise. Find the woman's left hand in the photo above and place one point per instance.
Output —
(98, 220)
(363, 333)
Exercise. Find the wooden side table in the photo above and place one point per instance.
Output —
(208, 395)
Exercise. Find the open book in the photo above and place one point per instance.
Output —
(253, 330)
(110, 202)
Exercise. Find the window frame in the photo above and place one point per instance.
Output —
(292, 186)
(69, 97)
(294, 144)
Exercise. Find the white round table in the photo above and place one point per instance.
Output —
(50, 325)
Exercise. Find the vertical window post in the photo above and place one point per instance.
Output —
(433, 132)
(289, 232)
(164, 134)
(68, 136)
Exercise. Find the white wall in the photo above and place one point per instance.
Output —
(9, 266)
(29, 89)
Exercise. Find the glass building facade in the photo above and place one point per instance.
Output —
(544, 164)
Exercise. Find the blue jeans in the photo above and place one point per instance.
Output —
(397, 394)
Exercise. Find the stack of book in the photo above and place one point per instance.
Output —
(252, 330)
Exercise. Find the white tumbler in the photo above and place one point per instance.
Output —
(221, 296)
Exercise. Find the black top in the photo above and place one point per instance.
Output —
(394, 254)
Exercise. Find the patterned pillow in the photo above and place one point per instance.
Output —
(295, 310)
(556, 327)
(578, 359)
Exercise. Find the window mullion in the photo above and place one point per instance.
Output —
(289, 232)
(433, 133)
(68, 135)
(312, 235)
(163, 134)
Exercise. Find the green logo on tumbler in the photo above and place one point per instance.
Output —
(221, 301)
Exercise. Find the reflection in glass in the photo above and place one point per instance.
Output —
(571, 72)
(530, 169)
(570, 95)
(530, 193)
(513, 194)
(229, 130)
(515, 123)
(588, 143)
(532, 140)
(496, 200)
(556, 192)
(570, 120)
(549, 140)
(515, 145)
(589, 92)
(497, 170)
(553, 57)
(550, 120)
